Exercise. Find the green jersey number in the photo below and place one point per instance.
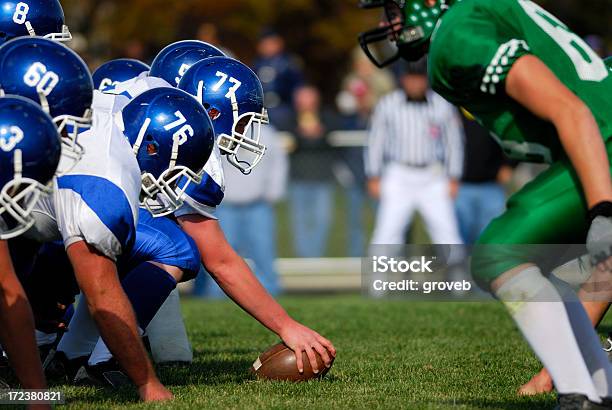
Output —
(588, 64)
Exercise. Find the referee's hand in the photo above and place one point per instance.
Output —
(374, 187)
(454, 188)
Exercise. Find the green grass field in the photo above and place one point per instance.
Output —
(391, 354)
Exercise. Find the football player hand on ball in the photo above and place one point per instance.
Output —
(599, 238)
(302, 339)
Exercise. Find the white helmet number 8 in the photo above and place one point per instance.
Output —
(21, 13)
(38, 76)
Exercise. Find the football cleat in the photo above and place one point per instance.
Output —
(575, 401)
(60, 369)
(105, 374)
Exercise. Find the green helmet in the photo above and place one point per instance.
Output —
(608, 62)
(405, 32)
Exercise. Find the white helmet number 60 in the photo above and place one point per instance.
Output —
(38, 76)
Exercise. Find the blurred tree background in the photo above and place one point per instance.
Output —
(321, 32)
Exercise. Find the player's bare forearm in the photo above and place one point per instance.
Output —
(109, 306)
(233, 274)
(534, 86)
(237, 280)
(17, 326)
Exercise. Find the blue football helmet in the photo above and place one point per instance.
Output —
(44, 18)
(30, 151)
(232, 94)
(54, 76)
(117, 71)
(175, 59)
(172, 138)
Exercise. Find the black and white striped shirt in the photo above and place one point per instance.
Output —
(414, 134)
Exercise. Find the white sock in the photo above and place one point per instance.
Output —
(43, 338)
(167, 334)
(82, 333)
(539, 312)
(595, 358)
(101, 353)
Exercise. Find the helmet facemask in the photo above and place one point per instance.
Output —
(17, 200)
(62, 37)
(163, 196)
(381, 44)
(243, 149)
(398, 37)
(69, 128)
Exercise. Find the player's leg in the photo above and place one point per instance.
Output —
(550, 209)
(436, 206)
(77, 344)
(398, 196)
(166, 330)
(299, 205)
(466, 210)
(491, 202)
(147, 287)
(168, 335)
(51, 292)
(322, 216)
(260, 235)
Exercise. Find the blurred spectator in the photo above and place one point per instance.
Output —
(361, 89)
(481, 195)
(134, 49)
(350, 173)
(280, 75)
(413, 130)
(311, 173)
(208, 33)
(247, 214)
(363, 86)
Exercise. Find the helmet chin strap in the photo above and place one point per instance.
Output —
(235, 112)
(44, 103)
(18, 163)
(30, 29)
(141, 135)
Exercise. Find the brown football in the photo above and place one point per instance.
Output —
(278, 363)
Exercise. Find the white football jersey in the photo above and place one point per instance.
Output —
(97, 200)
(136, 86)
(203, 198)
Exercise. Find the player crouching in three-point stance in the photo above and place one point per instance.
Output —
(546, 96)
(30, 150)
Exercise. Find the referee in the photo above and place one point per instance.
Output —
(414, 160)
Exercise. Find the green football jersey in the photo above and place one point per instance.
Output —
(472, 50)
